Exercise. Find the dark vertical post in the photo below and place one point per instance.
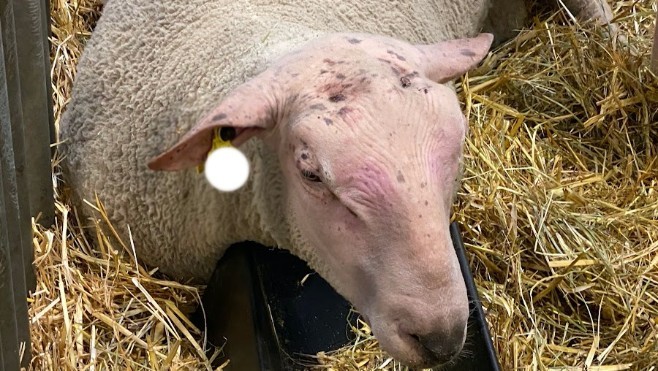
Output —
(25, 173)
(14, 328)
(32, 52)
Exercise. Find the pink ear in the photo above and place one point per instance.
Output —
(249, 109)
(447, 60)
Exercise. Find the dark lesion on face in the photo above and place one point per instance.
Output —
(338, 97)
(343, 83)
(396, 55)
(318, 106)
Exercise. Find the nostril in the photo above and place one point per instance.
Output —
(443, 345)
(443, 350)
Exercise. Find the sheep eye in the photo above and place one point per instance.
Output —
(310, 176)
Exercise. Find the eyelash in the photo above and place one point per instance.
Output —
(310, 176)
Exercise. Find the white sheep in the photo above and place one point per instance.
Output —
(355, 157)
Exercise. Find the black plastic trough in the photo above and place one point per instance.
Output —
(257, 309)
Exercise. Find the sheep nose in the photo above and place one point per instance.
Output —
(444, 344)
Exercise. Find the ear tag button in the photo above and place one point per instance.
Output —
(226, 168)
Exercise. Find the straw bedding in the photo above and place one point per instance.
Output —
(559, 213)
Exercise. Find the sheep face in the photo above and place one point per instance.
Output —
(369, 143)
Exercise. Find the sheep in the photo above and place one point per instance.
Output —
(347, 115)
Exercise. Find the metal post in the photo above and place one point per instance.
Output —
(26, 178)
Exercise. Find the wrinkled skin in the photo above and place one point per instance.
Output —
(369, 140)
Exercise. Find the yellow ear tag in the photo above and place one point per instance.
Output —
(217, 142)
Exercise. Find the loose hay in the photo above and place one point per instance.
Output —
(559, 212)
(95, 308)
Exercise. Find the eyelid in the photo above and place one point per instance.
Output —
(307, 173)
(306, 161)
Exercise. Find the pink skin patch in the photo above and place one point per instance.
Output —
(369, 186)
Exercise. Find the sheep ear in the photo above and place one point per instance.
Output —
(447, 60)
(249, 109)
